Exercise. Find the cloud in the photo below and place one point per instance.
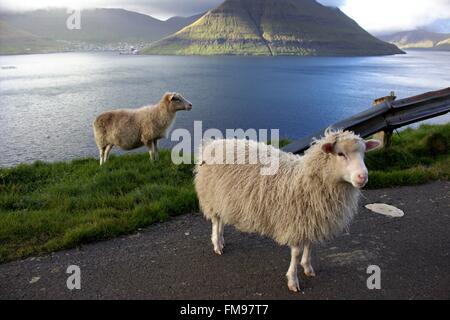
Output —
(167, 8)
(158, 8)
(441, 25)
(383, 16)
(332, 3)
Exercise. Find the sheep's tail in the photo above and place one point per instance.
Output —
(199, 179)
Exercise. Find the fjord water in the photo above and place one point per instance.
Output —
(48, 102)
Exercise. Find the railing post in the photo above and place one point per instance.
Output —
(384, 136)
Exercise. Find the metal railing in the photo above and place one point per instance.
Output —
(387, 116)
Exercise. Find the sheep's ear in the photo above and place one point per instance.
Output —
(169, 96)
(372, 144)
(328, 147)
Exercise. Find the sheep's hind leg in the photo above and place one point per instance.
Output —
(155, 149)
(221, 230)
(106, 153)
(291, 275)
(306, 261)
(215, 235)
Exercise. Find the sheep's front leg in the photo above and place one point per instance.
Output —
(292, 272)
(306, 261)
(153, 150)
(216, 235)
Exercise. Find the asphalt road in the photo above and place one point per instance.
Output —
(175, 260)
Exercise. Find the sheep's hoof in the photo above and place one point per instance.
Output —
(294, 286)
(309, 271)
(218, 247)
(311, 274)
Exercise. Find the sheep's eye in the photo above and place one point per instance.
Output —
(340, 154)
(176, 99)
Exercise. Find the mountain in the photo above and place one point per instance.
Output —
(16, 41)
(419, 39)
(98, 26)
(273, 27)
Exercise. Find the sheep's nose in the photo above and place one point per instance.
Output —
(362, 178)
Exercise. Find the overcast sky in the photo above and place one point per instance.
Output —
(376, 16)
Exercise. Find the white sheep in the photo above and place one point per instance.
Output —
(310, 199)
(133, 128)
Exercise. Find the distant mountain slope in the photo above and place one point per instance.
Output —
(273, 27)
(443, 45)
(97, 25)
(419, 39)
(14, 41)
(178, 23)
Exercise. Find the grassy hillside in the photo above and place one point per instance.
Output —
(273, 27)
(48, 207)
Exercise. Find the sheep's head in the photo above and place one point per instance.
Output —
(176, 102)
(347, 151)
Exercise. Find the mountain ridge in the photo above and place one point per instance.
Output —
(272, 27)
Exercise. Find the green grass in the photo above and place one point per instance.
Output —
(416, 156)
(47, 207)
